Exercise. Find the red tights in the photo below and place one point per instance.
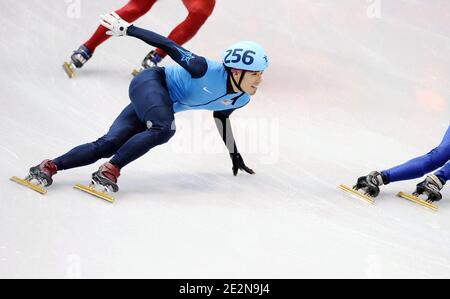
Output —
(199, 11)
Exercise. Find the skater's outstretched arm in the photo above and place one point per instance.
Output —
(194, 64)
(222, 119)
(223, 124)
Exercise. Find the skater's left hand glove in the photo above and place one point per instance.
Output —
(238, 163)
(116, 25)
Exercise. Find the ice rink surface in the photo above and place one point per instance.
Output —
(353, 86)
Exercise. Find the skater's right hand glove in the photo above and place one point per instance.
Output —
(238, 163)
(116, 25)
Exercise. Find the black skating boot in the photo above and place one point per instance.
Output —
(370, 183)
(430, 187)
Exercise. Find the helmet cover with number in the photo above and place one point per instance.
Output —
(246, 55)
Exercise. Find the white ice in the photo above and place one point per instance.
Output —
(353, 86)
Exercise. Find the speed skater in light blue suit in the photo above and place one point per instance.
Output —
(157, 94)
(437, 159)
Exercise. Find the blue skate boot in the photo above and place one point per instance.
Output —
(78, 59)
(151, 60)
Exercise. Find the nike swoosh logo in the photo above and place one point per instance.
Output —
(206, 89)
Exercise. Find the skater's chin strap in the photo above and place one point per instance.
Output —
(237, 84)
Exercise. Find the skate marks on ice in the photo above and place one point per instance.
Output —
(27, 183)
(92, 191)
(357, 194)
(418, 200)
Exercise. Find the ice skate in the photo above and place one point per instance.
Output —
(369, 186)
(78, 59)
(151, 60)
(39, 177)
(430, 188)
(104, 182)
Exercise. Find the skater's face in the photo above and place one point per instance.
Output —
(250, 81)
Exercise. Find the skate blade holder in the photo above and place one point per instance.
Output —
(418, 200)
(93, 191)
(27, 183)
(357, 194)
(69, 68)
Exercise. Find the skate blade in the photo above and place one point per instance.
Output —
(418, 200)
(26, 183)
(135, 72)
(358, 194)
(92, 191)
(69, 69)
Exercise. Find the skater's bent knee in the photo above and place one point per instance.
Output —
(445, 150)
(165, 130)
(441, 154)
(198, 17)
(167, 135)
(135, 9)
(205, 7)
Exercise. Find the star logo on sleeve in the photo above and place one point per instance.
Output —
(185, 55)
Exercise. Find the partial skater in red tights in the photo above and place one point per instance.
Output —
(198, 12)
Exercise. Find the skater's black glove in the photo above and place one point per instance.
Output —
(238, 163)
